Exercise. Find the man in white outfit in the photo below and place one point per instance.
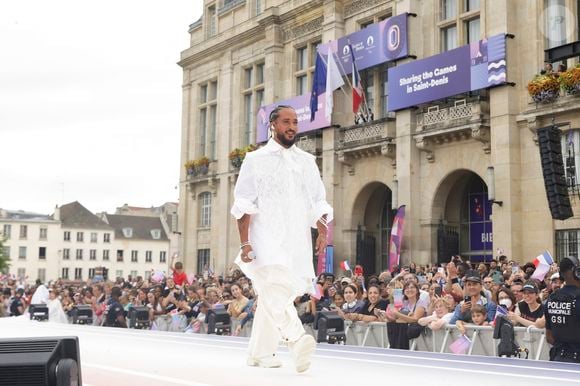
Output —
(279, 196)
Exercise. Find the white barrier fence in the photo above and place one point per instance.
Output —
(375, 335)
(482, 342)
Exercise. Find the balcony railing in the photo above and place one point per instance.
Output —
(461, 109)
(310, 144)
(358, 135)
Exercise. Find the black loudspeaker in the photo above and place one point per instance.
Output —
(38, 312)
(139, 317)
(53, 361)
(82, 314)
(330, 328)
(218, 321)
(549, 140)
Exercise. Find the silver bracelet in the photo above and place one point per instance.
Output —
(245, 244)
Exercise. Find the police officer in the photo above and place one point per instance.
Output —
(114, 313)
(562, 314)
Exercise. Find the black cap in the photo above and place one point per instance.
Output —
(530, 287)
(473, 276)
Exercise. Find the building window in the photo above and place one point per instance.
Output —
(449, 38)
(472, 31)
(147, 275)
(471, 5)
(119, 273)
(79, 254)
(42, 253)
(205, 210)
(22, 253)
(80, 237)
(43, 233)
(6, 251)
(66, 236)
(94, 237)
(202, 260)
(106, 238)
(555, 24)
(211, 21)
(305, 61)
(7, 231)
(448, 9)
(93, 254)
(571, 156)
(105, 255)
(128, 232)
(23, 231)
(156, 234)
(78, 274)
(148, 256)
(64, 274)
(134, 256)
(91, 273)
(133, 274)
(42, 274)
(66, 254)
(21, 273)
(162, 257)
(459, 26)
(119, 255)
(257, 7)
(207, 120)
(253, 96)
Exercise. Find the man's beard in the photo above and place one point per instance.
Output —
(284, 141)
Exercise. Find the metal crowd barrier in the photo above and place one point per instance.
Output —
(482, 343)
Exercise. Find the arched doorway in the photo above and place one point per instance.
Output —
(373, 219)
(464, 214)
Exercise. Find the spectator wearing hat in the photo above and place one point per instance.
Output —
(17, 304)
(474, 294)
(529, 310)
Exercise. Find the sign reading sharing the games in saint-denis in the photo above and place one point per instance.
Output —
(471, 67)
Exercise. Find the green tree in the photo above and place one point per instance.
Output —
(4, 260)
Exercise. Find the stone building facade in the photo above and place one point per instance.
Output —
(440, 159)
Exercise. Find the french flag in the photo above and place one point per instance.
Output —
(542, 264)
(500, 311)
(344, 265)
(357, 90)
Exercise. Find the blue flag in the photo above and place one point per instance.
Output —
(318, 85)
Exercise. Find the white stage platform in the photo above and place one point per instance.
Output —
(133, 357)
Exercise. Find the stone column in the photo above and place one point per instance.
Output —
(505, 142)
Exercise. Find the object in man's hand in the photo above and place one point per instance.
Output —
(251, 255)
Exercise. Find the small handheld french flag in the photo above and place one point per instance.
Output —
(344, 265)
(542, 264)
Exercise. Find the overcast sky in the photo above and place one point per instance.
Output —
(90, 101)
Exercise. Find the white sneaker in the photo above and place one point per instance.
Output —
(301, 351)
(266, 362)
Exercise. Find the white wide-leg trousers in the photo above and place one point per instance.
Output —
(276, 316)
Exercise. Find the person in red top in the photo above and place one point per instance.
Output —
(179, 276)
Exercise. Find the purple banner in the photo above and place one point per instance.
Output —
(480, 226)
(302, 106)
(467, 68)
(377, 43)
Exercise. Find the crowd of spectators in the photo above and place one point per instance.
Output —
(408, 299)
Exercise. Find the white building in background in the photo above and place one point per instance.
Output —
(73, 243)
(167, 213)
(141, 245)
(32, 242)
